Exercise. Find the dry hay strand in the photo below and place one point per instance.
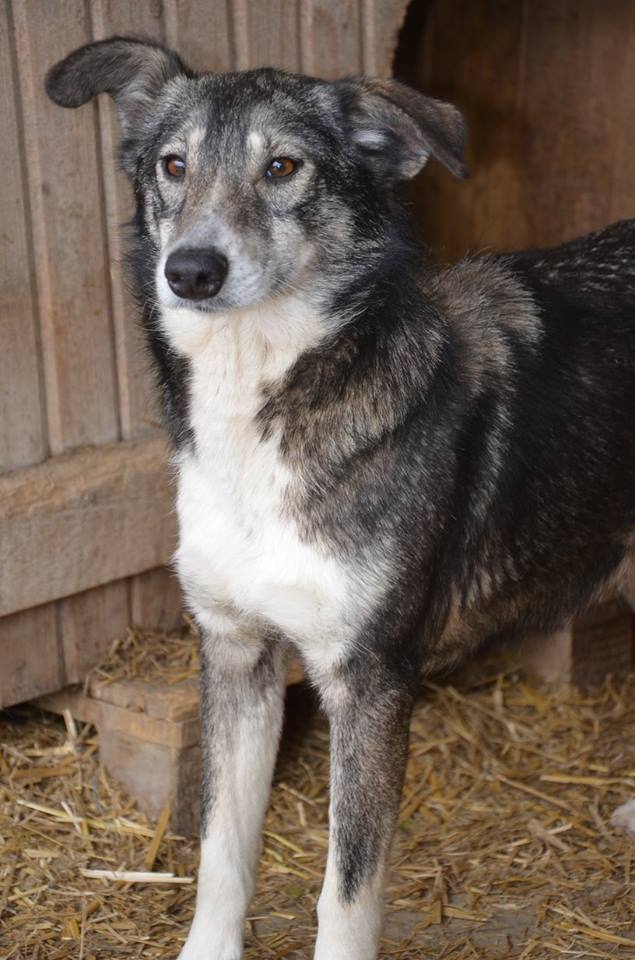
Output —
(170, 658)
(504, 847)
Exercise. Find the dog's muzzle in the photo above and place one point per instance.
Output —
(195, 274)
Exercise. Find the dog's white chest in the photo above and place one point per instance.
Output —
(239, 547)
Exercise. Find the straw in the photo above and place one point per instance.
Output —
(505, 847)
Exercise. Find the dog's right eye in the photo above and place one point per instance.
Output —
(174, 166)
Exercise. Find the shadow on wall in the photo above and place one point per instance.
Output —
(548, 90)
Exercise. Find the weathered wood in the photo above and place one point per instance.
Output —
(89, 622)
(137, 404)
(382, 21)
(22, 429)
(272, 34)
(82, 520)
(68, 230)
(205, 38)
(31, 661)
(546, 89)
(331, 38)
(149, 738)
(156, 601)
(600, 643)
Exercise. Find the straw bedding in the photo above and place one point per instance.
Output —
(504, 847)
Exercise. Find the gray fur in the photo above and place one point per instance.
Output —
(457, 447)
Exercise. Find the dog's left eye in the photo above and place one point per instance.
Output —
(174, 166)
(281, 167)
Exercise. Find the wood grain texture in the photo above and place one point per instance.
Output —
(102, 613)
(202, 32)
(31, 660)
(88, 623)
(599, 643)
(547, 91)
(382, 21)
(68, 232)
(137, 405)
(156, 601)
(331, 38)
(22, 430)
(83, 520)
(273, 33)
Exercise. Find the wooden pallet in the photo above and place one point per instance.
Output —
(149, 739)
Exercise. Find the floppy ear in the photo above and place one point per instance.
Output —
(132, 71)
(397, 129)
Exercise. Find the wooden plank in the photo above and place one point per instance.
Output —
(466, 67)
(149, 738)
(206, 42)
(156, 600)
(116, 719)
(599, 643)
(89, 622)
(22, 430)
(31, 662)
(68, 232)
(546, 91)
(137, 396)
(572, 101)
(382, 22)
(83, 520)
(273, 29)
(137, 404)
(157, 776)
(331, 38)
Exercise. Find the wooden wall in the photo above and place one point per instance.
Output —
(548, 87)
(86, 519)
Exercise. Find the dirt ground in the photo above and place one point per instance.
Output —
(504, 848)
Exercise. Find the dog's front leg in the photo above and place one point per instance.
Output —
(369, 713)
(242, 696)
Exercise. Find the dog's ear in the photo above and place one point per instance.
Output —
(396, 128)
(132, 71)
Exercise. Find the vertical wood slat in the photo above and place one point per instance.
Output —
(382, 21)
(89, 622)
(547, 93)
(68, 230)
(138, 412)
(71, 265)
(578, 102)
(273, 34)
(201, 32)
(331, 38)
(22, 430)
(30, 658)
(104, 613)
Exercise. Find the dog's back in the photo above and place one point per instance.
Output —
(560, 526)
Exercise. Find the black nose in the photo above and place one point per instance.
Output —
(195, 274)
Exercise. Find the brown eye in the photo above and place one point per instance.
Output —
(282, 167)
(174, 165)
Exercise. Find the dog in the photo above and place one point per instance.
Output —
(380, 464)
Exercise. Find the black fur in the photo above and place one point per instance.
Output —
(468, 435)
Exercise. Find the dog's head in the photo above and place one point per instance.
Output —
(250, 183)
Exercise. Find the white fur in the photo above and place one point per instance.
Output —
(349, 931)
(240, 553)
(230, 847)
(238, 546)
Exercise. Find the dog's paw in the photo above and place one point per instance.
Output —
(624, 817)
